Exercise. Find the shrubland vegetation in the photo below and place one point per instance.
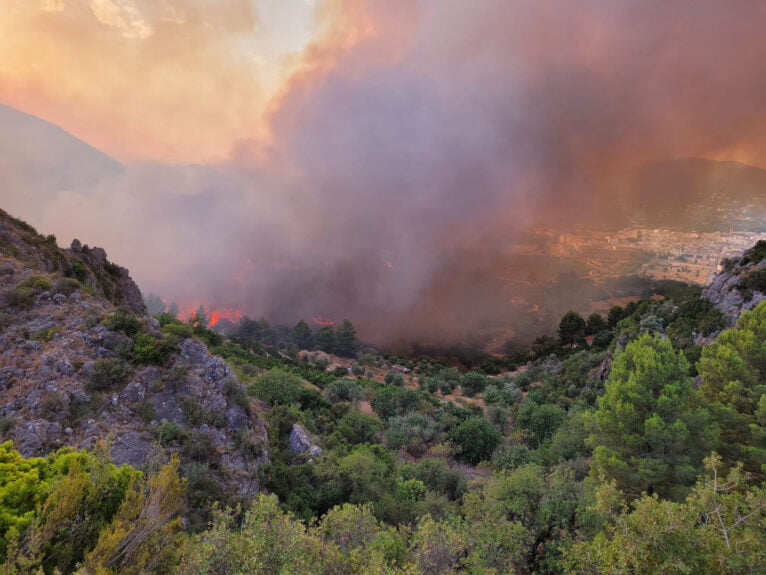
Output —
(621, 446)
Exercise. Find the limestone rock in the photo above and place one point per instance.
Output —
(300, 441)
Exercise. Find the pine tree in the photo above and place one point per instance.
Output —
(346, 342)
(302, 336)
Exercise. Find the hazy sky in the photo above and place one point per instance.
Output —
(157, 80)
(294, 158)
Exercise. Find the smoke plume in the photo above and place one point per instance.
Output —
(410, 145)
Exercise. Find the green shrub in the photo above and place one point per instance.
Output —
(20, 297)
(176, 331)
(67, 286)
(199, 447)
(197, 414)
(340, 371)
(755, 254)
(125, 321)
(78, 271)
(107, 374)
(476, 438)
(248, 444)
(411, 431)
(170, 432)
(145, 411)
(6, 424)
(754, 281)
(148, 350)
(394, 377)
(45, 335)
(473, 383)
(237, 395)
(390, 401)
(36, 283)
(277, 387)
(343, 390)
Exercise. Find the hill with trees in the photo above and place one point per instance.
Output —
(632, 442)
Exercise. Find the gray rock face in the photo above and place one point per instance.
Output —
(723, 292)
(130, 448)
(301, 442)
(36, 436)
(211, 367)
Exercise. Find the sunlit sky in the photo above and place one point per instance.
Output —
(168, 80)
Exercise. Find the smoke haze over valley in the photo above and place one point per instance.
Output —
(409, 165)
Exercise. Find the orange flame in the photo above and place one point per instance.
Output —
(216, 315)
(213, 315)
(322, 321)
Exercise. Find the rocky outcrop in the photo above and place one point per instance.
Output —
(728, 290)
(100, 275)
(57, 343)
(300, 442)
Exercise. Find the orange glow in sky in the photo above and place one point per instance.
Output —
(175, 81)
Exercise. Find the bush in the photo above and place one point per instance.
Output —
(199, 447)
(390, 401)
(473, 383)
(107, 374)
(237, 395)
(437, 475)
(411, 431)
(36, 283)
(67, 286)
(356, 427)
(51, 405)
(476, 438)
(541, 419)
(148, 350)
(145, 410)
(78, 271)
(340, 371)
(394, 377)
(754, 281)
(170, 432)
(248, 444)
(755, 254)
(20, 297)
(343, 390)
(175, 332)
(125, 321)
(197, 414)
(45, 335)
(6, 424)
(277, 387)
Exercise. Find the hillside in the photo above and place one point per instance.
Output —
(38, 159)
(333, 457)
(83, 363)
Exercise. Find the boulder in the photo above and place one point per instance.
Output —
(300, 441)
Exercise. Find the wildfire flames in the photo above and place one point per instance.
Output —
(216, 315)
(322, 321)
(213, 315)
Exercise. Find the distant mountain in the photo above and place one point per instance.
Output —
(697, 194)
(37, 159)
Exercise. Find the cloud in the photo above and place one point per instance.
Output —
(123, 15)
(140, 79)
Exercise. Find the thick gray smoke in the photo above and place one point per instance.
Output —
(403, 165)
